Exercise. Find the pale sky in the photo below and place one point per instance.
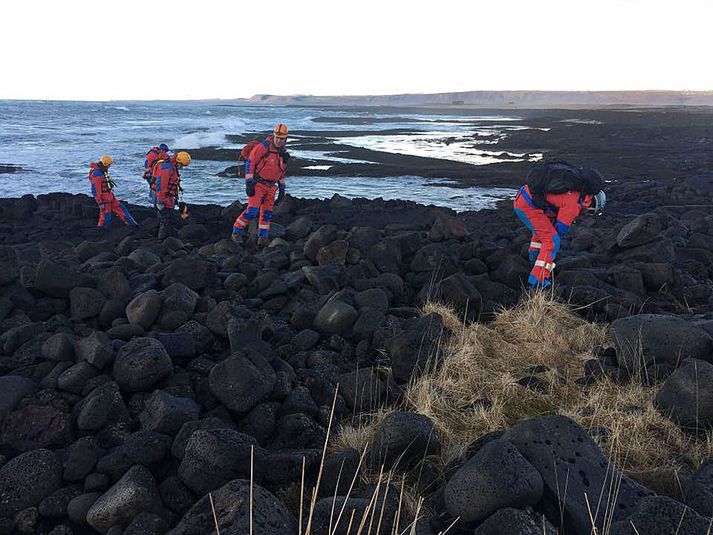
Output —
(128, 49)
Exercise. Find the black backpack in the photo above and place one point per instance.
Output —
(561, 177)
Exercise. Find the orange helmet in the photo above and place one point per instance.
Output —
(280, 131)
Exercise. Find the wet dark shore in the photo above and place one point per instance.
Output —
(632, 143)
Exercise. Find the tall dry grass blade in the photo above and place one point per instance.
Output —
(395, 527)
(302, 492)
(215, 517)
(351, 522)
(450, 527)
(680, 521)
(594, 530)
(383, 505)
(416, 517)
(368, 512)
(252, 476)
(334, 498)
(313, 502)
(349, 492)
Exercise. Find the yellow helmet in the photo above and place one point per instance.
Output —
(280, 131)
(106, 160)
(183, 158)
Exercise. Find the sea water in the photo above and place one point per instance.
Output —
(53, 142)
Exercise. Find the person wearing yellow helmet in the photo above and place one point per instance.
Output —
(165, 189)
(265, 172)
(102, 188)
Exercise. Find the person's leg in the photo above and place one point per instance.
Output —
(120, 210)
(104, 214)
(164, 222)
(266, 206)
(549, 240)
(251, 212)
(533, 250)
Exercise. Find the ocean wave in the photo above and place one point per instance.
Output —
(196, 140)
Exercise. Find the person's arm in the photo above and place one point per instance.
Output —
(255, 156)
(570, 207)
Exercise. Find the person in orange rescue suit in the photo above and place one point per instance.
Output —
(264, 175)
(550, 215)
(103, 192)
(152, 156)
(166, 188)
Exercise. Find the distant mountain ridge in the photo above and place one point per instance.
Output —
(499, 98)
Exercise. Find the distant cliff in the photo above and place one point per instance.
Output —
(499, 98)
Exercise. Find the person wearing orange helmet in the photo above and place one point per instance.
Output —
(103, 192)
(265, 172)
(165, 188)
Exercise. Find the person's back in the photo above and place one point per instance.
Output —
(154, 154)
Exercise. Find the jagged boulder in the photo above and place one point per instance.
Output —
(140, 364)
(143, 309)
(642, 229)
(9, 266)
(57, 280)
(101, 407)
(145, 448)
(232, 503)
(403, 438)
(214, 457)
(28, 479)
(414, 349)
(568, 458)
(335, 317)
(652, 339)
(699, 490)
(511, 521)
(242, 380)
(687, 395)
(661, 515)
(12, 389)
(85, 302)
(166, 414)
(133, 494)
(496, 477)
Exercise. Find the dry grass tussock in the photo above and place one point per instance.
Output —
(475, 390)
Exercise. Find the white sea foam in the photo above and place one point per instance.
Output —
(197, 140)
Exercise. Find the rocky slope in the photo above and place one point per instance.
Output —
(137, 376)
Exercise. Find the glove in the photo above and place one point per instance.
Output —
(250, 187)
(281, 195)
(285, 157)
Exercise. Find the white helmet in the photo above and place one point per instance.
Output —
(598, 202)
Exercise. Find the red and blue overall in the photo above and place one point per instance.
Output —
(166, 183)
(102, 187)
(266, 170)
(547, 225)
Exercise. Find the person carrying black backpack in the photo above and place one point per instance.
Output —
(554, 195)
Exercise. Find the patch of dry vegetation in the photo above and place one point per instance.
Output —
(478, 388)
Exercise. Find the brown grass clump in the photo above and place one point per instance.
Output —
(475, 390)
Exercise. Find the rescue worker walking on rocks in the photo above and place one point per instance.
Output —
(103, 192)
(152, 156)
(555, 194)
(166, 188)
(264, 175)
